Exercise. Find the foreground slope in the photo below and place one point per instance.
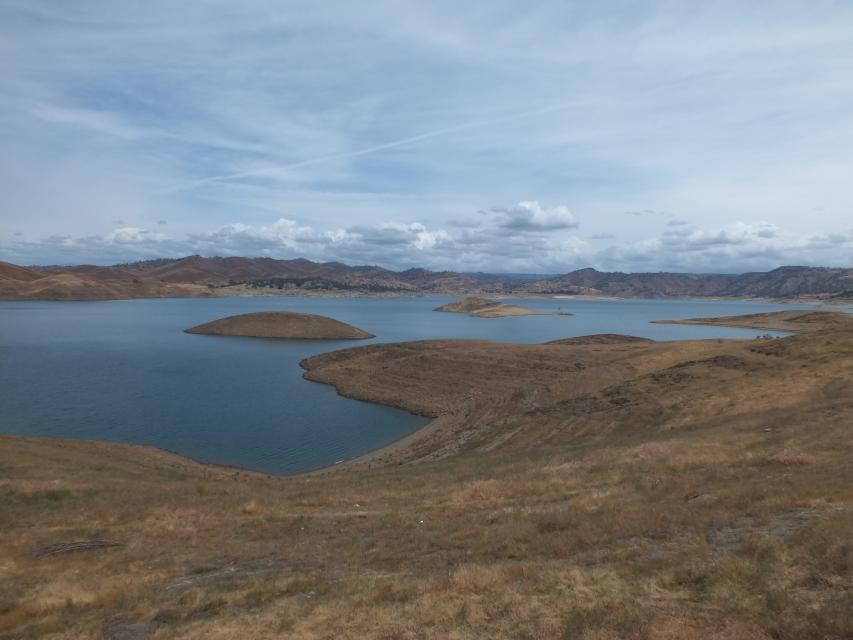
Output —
(697, 489)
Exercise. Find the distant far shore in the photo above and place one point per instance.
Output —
(197, 276)
(241, 291)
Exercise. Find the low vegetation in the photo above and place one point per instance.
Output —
(600, 489)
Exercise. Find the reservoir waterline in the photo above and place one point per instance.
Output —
(125, 371)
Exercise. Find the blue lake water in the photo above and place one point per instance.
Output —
(125, 371)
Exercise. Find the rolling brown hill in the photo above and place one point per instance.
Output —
(268, 273)
(784, 282)
(9, 271)
(194, 275)
(85, 282)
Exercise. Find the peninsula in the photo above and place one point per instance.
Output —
(486, 308)
(282, 324)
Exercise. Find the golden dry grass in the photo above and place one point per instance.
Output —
(688, 498)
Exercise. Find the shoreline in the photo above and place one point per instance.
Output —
(363, 461)
(393, 453)
(396, 446)
(818, 302)
(375, 458)
(448, 420)
(233, 470)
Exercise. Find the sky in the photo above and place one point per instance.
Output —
(503, 136)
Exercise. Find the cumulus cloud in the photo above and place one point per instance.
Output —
(737, 247)
(133, 235)
(687, 238)
(532, 216)
(540, 241)
(544, 242)
(283, 235)
(414, 235)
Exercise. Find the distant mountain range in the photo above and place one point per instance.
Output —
(198, 276)
(784, 282)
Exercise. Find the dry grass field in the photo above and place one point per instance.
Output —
(596, 489)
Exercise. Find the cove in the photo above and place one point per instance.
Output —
(124, 371)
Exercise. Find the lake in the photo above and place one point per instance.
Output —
(125, 371)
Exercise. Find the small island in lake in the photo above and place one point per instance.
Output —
(486, 308)
(282, 324)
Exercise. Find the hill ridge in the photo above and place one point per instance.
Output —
(196, 275)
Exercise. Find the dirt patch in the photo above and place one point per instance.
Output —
(732, 536)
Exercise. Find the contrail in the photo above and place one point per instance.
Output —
(379, 147)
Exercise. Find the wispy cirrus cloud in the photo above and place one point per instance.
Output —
(401, 120)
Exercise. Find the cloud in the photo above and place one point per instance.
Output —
(531, 216)
(414, 235)
(133, 235)
(85, 119)
(686, 238)
(644, 212)
(540, 241)
(308, 113)
(736, 247)
(280, 237)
